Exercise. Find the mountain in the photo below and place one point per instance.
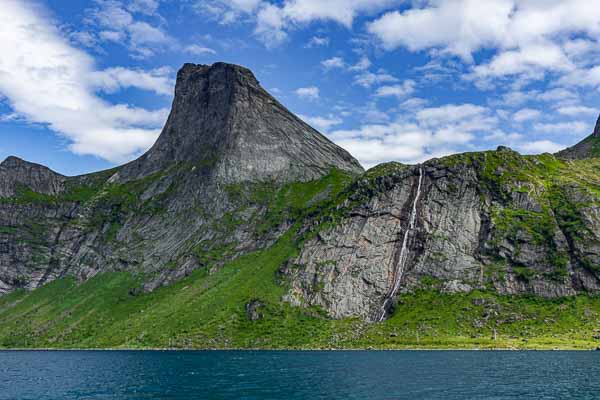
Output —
(587, 148)
(162, 213)
(222, 117)
(244, 227)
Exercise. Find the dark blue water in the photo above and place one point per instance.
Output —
(300, 375)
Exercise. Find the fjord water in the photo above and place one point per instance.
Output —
(299, 375)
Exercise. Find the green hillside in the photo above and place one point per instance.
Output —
(239, 304)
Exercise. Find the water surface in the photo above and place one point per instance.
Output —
(299, 375)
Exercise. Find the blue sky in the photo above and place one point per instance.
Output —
(86, 85)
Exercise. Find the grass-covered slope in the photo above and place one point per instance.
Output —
(239, 304)
(210, 311)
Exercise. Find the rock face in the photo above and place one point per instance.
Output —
(232, 168)
(18, 174)
(221, 116)
(483, 220)
(163, 213)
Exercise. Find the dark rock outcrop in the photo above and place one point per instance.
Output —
(222, 117)
(18, 174)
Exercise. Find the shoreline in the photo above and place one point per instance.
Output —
(166, 349)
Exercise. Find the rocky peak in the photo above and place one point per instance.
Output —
(588, 147)
(223, 120)
(16, 172)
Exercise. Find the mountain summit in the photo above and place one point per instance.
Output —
(221, 117)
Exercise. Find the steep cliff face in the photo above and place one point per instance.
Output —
(18, 175)
(497, 220)
(183, 205)
(222, 117)
(235, 177)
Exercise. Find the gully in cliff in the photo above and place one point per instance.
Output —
(404, 251)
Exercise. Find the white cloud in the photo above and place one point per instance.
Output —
(317, 41)
(322, 124)
(458, 27)
(403, 90)
(526, 114)
(529, 59)
(540, 146)
(197, 50)
(148, 7)
(112, 79)
(582, 77)
(367, 79)
(462, 27)
(111, 36)
(574, 111)
(275, 19)
(333, 62)
(310, 93)
(414, 103)
(528, 38)
(430, 132)
(270, 25)
(341, 11)
(117, 24)
(563, 128)
(226, 11)
(557, 94)
(47, 81)
(362, 65)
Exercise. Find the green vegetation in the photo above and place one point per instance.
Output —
(534, 198)
(291, 202)
(209, 311)
(208, 308)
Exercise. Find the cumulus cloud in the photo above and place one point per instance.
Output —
(45, 80)
(540, 146)
(274, 19)
(367, 79)
(317, 41)
(430, 132)
(404, 89)
(333, 62)
(226, 11)
(116, 23)
(574, 111)
(563, 128)
(526, 114)
(362, 65)
(528, 38)
(198, 50)
(322, 124)
(309, 93)
(113, 79)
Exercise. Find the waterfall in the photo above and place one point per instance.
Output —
(399, 271)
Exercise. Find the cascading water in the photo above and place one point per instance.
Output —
(399, 271)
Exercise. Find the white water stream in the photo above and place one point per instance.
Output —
(399, 272)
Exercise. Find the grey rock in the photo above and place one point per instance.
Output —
(221, 117)
(456, 286)
(253, 310)
(348, 269)
(224, 130)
